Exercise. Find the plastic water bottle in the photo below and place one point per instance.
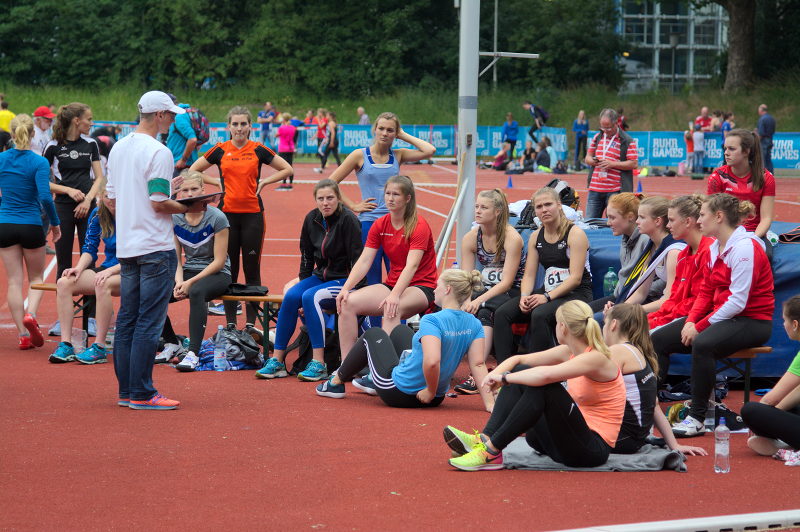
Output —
(455, 265)
(610, 282)
(220, 359)
(722, 448)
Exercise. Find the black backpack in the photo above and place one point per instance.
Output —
(568, 196)
(302, 343)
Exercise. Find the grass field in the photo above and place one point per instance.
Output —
(652, 111)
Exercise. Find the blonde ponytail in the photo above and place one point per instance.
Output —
(22, 131)
(579, 320)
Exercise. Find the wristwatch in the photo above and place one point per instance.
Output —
(503, 377)
(547, 297)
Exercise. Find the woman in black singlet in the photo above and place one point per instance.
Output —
(563, 251)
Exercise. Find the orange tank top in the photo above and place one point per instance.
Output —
(601, 403)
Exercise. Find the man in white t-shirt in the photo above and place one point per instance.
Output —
(42, 121)
(140, 175)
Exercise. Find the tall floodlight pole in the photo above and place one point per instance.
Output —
(467, 113)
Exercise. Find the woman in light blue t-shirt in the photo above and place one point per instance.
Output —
(373, 166)
(412, 370)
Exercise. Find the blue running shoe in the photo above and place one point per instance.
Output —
(91, 327)
(64, 353)
(365, 384)
(273, 369)
(96, 354)
(315, 371)
(328, 389)
(55, 330)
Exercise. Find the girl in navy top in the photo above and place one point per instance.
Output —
(85, 279)
(24, 183)
(581, 128)
(411, 370)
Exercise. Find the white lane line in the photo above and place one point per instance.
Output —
(787, 202)
(44, 278)
(437, 213)
(446, 169)
(421, 188)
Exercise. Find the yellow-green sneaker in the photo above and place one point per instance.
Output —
(459, 441)
(478, 459)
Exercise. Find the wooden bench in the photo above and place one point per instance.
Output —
(267, 307)
(82, 305)
(740, 362)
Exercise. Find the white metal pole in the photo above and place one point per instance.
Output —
(494, 68)
(467, 112)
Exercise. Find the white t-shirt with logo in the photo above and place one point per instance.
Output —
(140, 170)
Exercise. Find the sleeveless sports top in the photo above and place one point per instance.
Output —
(602, 404)
(640, 401)
(491, 272)
(372, 177)
(554, 258)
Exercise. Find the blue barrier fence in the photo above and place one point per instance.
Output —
(655, 148)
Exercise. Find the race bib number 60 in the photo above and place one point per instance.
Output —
(491, 276)
(554, 276)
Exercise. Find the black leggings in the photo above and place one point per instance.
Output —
(542, 321)
(717, 341)
(330, 150)
(288, 156)
(246, 235)
(382, 352)
(69, 223)
(770, 422)
(486, 312)
(204, 290)
(551, 421)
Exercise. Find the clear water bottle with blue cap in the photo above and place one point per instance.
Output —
(220, 346)
(722, 448)
(610, 280)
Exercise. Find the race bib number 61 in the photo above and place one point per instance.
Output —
(554, 276)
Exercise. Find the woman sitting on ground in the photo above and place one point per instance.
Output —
(532, 401)
(775, 421)
(202, 239)
(628, 337)
(563, 251)
(733, 311)
(85, 279)
(406, 238)
(411, 370)
(498, 250)
(330, 244)
(622, 212)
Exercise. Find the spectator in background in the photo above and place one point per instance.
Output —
(622, 123)
(528, 156)
(580, 126)
(287, 134)
(266, 118)
(363, 117)
(542, 158)
(510, 128)
(321, 121)
(704, 121)
(716, 120)
(182, 141)
(766, 130)
(5, 116)
(728, 123)
(551, 152)
(613, 156)
(689, 138)
(309, 119)
(538, 119)
(42, 121)
(698, 141)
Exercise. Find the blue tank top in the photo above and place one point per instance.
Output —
(372, 177)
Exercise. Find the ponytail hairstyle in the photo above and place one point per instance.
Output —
(107, 223)
(659, 208)
(626, 203)
(688, 206)
(563, 222)
(632, 321)
(407, 188)
(462, 282)
(734, 209)
(330, 183)
(750, 143)
(66, 114)
(22, 131)
(791, 307)
(578, 317)
(387, 116)
(239, 110)
(500, 202)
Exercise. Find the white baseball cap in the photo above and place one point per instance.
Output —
(155, 101)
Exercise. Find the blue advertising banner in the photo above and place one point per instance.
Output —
(655, 148)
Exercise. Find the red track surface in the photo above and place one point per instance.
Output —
(248, 454)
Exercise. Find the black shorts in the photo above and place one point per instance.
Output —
(428, 291)
(29, 236)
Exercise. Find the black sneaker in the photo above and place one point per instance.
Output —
(467, 387)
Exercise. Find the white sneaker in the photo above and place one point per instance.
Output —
(318, 170)
(189, 362)
(169, 351)
(688, 428)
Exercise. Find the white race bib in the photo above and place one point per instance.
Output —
(554, 276)
(490, 275)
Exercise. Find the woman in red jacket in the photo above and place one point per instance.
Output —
(732, 311)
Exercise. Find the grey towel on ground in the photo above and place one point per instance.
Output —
(520, 455)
